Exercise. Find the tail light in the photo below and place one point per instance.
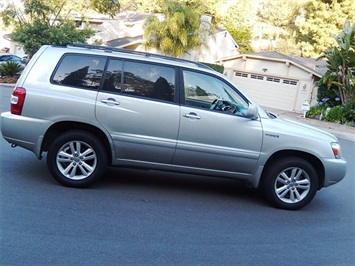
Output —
(17, 100)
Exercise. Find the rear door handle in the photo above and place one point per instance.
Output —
(110, 101)
(192, 115)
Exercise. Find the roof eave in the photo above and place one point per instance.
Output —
(286, 61)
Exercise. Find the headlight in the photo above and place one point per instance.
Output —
(336, 149)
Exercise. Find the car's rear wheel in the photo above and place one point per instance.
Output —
(290, 183)
(76, 159)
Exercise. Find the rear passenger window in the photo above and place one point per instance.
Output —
(80, 71)
(113, 78)
(149, 80)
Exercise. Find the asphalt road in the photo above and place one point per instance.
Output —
(153, 218)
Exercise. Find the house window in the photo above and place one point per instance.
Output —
(243, 75)
(256, 77)
(290, 82)
(273, 79)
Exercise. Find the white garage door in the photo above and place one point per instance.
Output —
(268, 91)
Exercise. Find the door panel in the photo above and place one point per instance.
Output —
(218, 141)
(137, 107)
(141, 129)
(213, 133)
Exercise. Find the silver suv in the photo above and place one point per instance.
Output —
(92, 106)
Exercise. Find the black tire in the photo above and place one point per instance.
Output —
(290, 183)
(76, 159)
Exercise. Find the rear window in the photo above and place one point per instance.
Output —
(77, 70)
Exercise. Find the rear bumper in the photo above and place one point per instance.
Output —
(23, 131)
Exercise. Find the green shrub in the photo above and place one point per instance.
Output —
(350, 124)
(328, 96)
(349, 110)
(343, 114)
(10, 69)
(314, 112)
(336, 115)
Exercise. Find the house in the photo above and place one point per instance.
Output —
(276, 80)
(126, 31)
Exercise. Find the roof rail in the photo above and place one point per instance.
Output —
(120, 50)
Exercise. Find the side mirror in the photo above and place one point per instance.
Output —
(252, 112)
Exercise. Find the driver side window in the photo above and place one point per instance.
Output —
(204, 91)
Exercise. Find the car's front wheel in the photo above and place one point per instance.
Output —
(76, 159)
(290, 183)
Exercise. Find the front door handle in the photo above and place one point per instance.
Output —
(110, 101)
(192, 115)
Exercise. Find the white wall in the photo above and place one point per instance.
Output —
(218, 47)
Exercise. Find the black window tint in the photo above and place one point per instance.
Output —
(149, 80)
(113, 76)
(80, 71)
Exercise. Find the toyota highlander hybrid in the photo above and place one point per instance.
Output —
(89, 107)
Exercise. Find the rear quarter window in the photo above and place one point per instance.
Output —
(78, 70)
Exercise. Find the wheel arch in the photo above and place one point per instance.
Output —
(61, 127)
(313, 160)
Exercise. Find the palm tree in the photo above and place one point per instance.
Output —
(10, 69)
(179, 32)
(341, 63)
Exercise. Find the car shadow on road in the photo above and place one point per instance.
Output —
(154, 183)
(167, 183)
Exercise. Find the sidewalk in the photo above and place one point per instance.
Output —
(341, 131)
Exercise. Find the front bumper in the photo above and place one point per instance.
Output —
(335, 171)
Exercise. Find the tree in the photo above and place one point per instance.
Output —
(242, 36)
(279, 13)
(42, 22)
(180, 31)
(238, 18)
(150, 6)
(322, 21)
(235, 16)
(341, 63)
(108, 7)
(275, 27)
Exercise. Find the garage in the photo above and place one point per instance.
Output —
(275, 80)
(267, 90)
